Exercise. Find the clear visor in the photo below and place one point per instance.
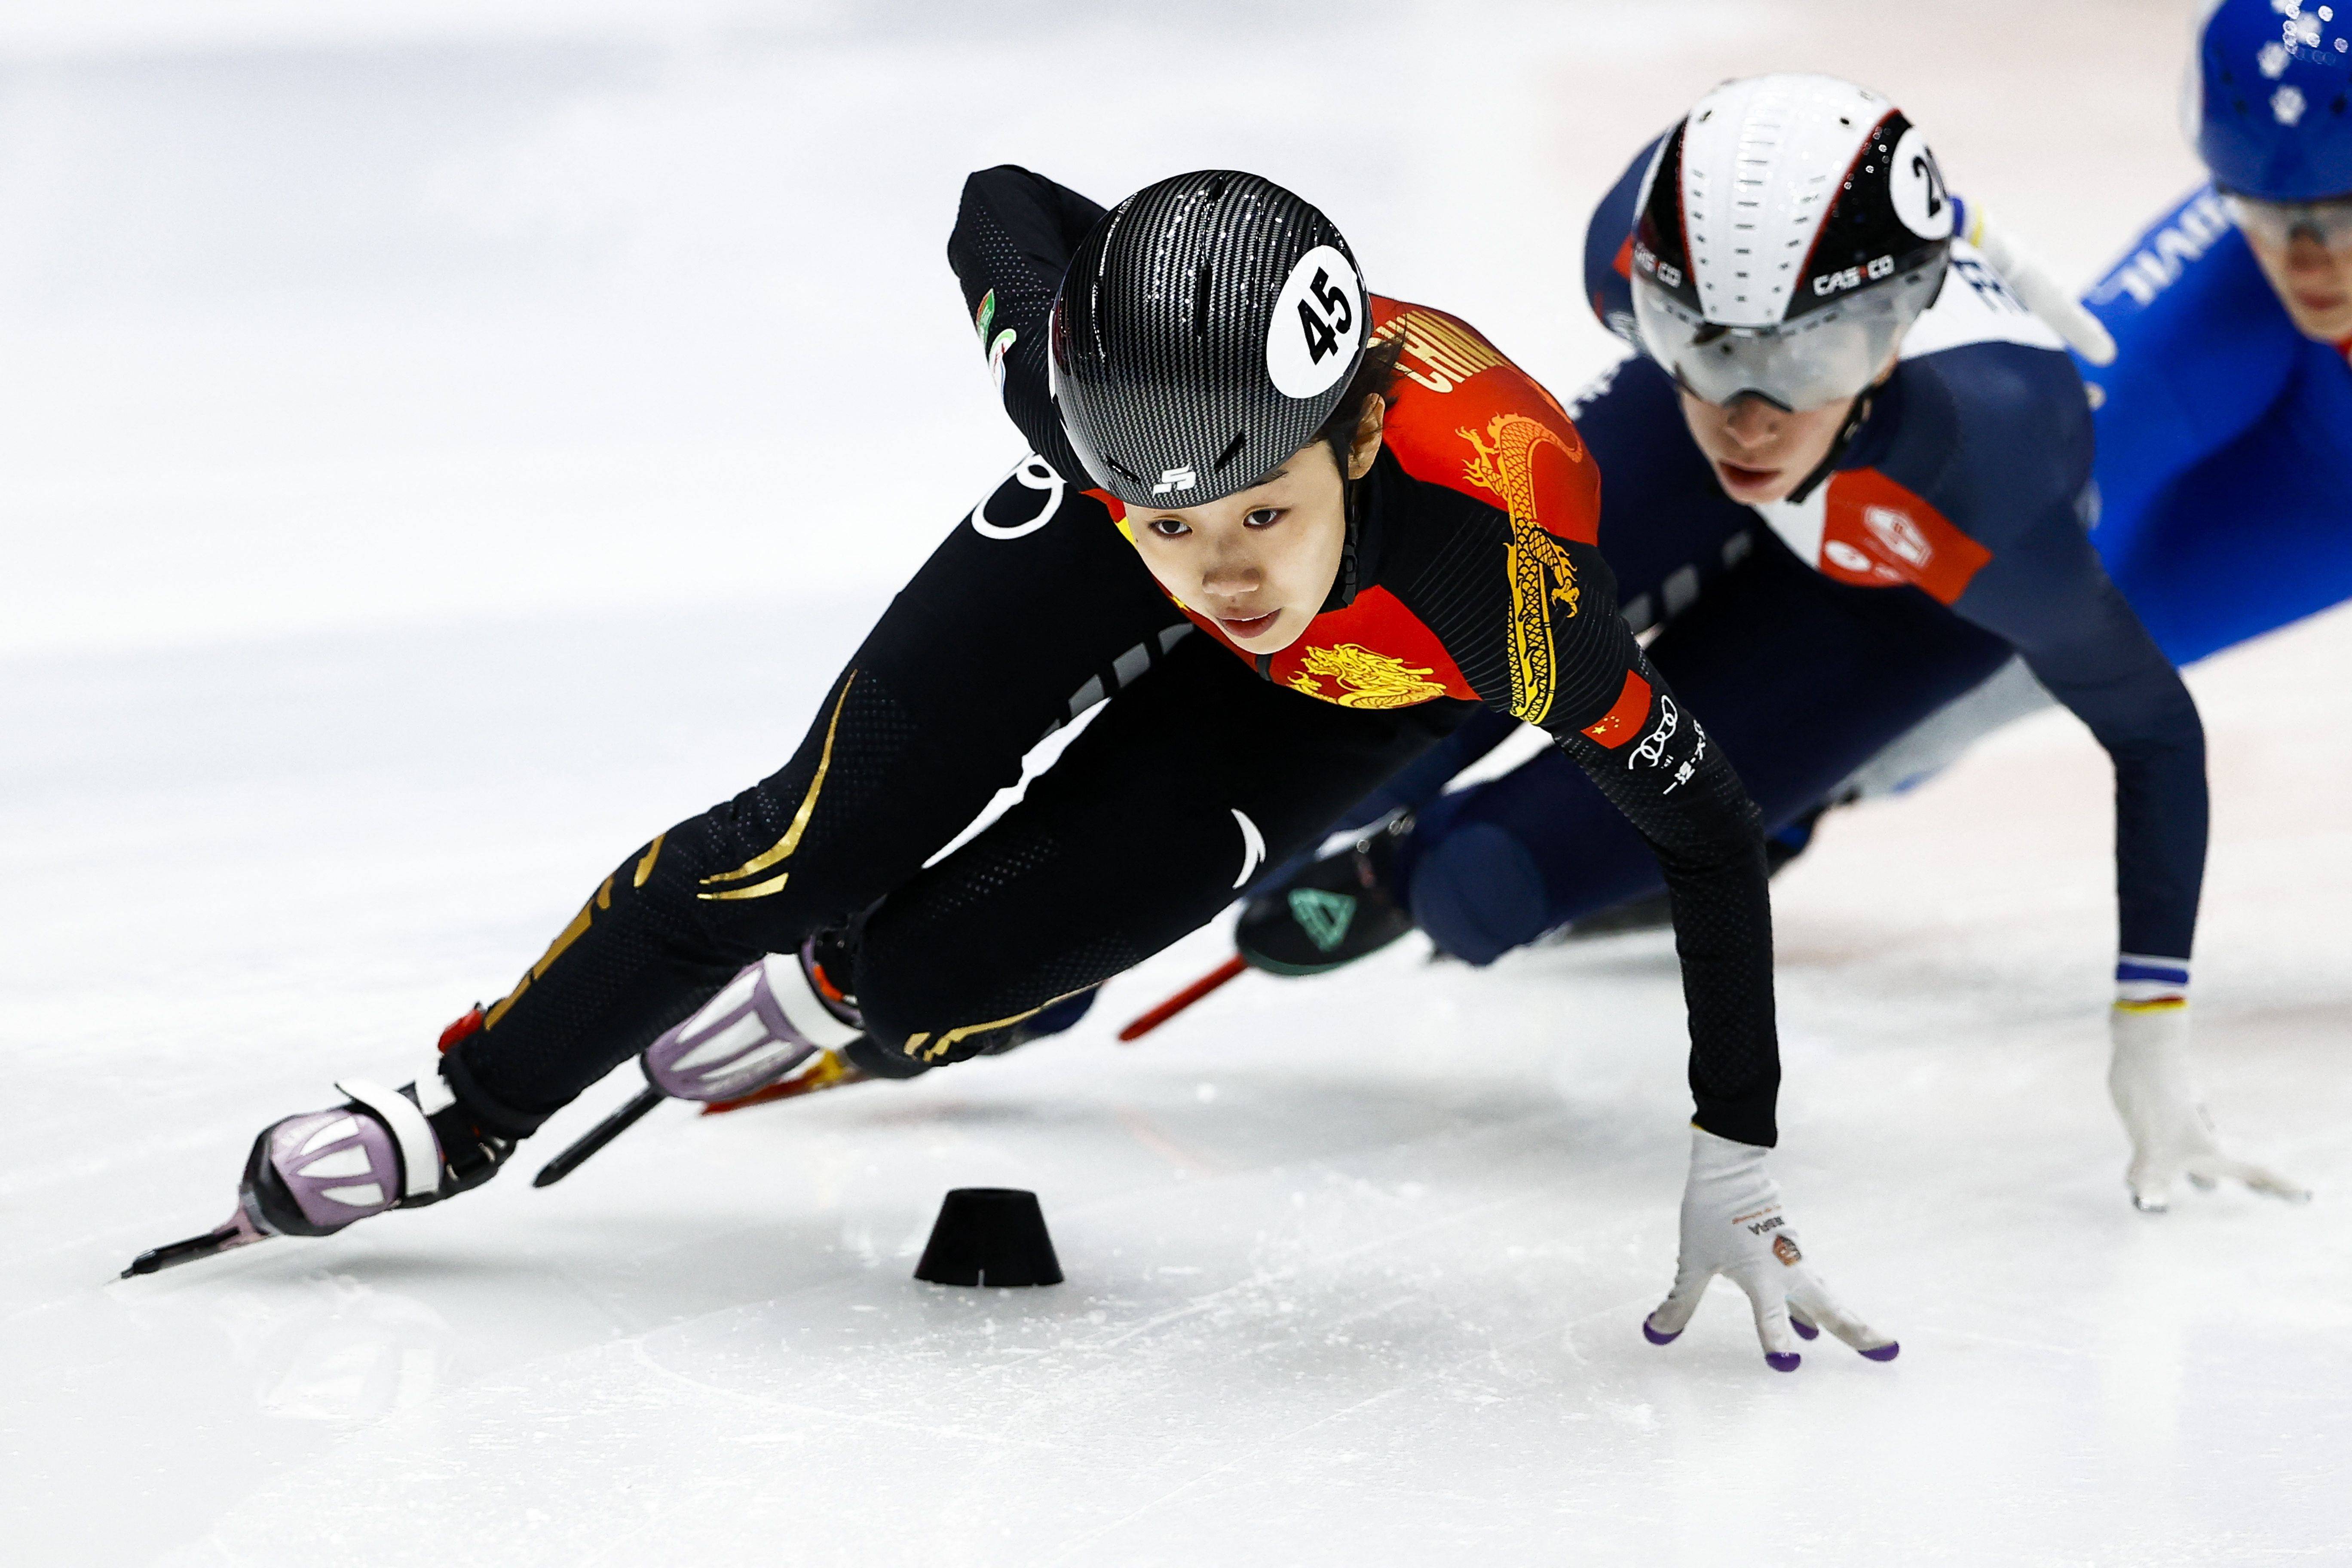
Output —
(1817, 359)
(2277, 222)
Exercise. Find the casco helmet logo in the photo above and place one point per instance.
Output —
(1175, 479)
(1318, 321)
(1852, 276)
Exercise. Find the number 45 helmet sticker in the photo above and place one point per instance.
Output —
(1319, 320)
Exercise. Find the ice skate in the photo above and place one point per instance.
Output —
(1335, 910)
(779, 1028)
(315, 1174)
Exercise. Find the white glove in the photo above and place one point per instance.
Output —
(1732, 1224)
(2035, 288)
(2171, 1135)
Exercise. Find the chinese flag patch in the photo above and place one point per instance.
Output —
(1623, 719)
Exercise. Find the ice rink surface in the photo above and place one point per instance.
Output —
(437, 453)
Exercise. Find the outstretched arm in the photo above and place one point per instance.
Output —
(1651, 757)
(1531, 619)
(1014, 234)
(2048, 594)
(1617, 718)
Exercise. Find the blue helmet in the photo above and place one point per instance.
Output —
(2270, 98)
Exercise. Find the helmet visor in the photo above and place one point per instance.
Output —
(2277, 222)
(1817, 359)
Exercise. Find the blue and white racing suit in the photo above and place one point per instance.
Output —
(2224, 441)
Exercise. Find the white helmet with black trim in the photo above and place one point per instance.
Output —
(1788, 233)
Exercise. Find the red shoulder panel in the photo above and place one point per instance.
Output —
(1877, 534)
(1469, 419)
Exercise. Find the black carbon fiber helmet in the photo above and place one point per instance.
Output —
(1204, 333)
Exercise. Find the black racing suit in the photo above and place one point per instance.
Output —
(1477, 582)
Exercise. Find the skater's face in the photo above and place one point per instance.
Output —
(2312, 275)
(1260, 561)
(1760, 452)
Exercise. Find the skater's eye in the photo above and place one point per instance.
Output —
(1168, 527)
(1263, 517)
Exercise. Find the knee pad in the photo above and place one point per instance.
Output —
(1477, 892)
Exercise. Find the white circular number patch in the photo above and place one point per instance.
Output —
(1917, 187)
(1319, 320)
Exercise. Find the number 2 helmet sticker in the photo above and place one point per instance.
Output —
(1916, 187)
(1317, 323)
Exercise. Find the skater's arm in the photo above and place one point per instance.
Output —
(1574, 669)
(2047, 593)
(1502, 561)
(1649, 755)
(1014, 234)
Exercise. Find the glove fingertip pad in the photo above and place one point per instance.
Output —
(1783, 1361)
(1886, 1351)
(1656, 1338)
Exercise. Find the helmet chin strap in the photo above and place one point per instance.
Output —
(1858, 415)
(1343, 585)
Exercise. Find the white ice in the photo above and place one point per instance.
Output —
(441, 446)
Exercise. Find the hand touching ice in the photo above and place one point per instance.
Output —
(1733, 1226)
(2171, 1134)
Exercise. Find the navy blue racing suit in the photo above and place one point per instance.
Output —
(1950, 536)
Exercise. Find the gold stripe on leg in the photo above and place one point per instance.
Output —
(783, 848)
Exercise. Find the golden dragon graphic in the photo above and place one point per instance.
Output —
(1505, 464)
(1367, 680)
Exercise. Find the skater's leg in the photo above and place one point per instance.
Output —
(1797, 678)
(931, 717)
(1137, 835)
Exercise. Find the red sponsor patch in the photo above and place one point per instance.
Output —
(1876, 534)
(1624, 721)
(1624, 262)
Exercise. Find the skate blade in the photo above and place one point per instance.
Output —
(1230, 970)
(234, 1234)
(830, 1073)
(603, 1133)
